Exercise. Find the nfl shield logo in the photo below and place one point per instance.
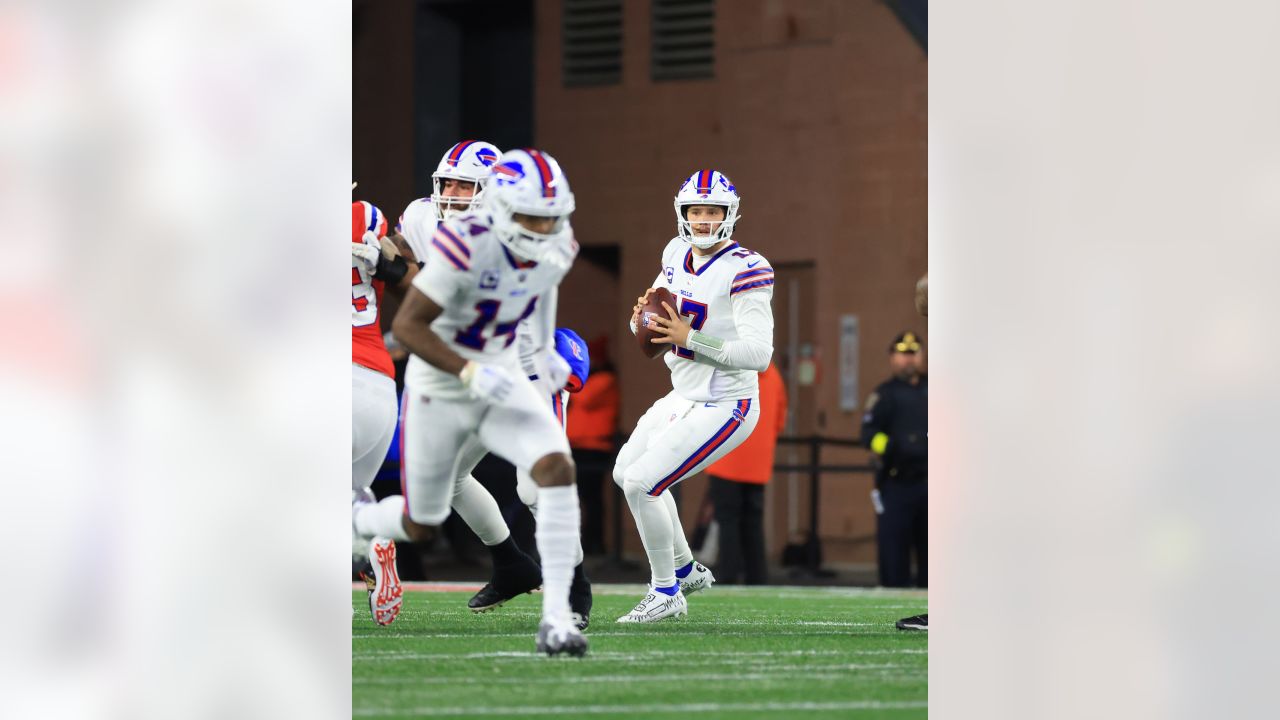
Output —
(488, 280)
(670, 272)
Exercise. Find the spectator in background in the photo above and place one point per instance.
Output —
(895, 427)
(593, 423)
(737, 488)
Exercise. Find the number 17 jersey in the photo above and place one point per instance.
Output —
(705, 289)
(485, 291)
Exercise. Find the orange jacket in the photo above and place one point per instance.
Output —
(752, 461)
(593, 412)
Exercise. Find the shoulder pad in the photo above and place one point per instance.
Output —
(753, 272)
(453, 242)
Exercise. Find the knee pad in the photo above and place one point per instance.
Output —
(635, 485)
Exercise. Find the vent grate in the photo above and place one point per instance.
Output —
(592, 42)
(683, 39)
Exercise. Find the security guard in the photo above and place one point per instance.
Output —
(895, 428)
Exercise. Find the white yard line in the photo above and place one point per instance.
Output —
(770, 591)
(683, 634)
(641, 709)
(637, 655)
(770, 673)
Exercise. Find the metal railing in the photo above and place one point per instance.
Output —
(815, 469)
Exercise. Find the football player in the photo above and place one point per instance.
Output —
(488, 270)
(376, 266)
(459, 184)
(721, 336)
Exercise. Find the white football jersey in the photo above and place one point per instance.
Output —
(705, 288)
(486, 292)
(417, 225)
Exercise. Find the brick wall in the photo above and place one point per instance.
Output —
(818, 112)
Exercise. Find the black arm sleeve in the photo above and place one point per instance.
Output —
(391, 272)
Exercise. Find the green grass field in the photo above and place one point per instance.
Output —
(741, 653)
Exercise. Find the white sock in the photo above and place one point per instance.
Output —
(381, 519)
(479, 511)
(559, 530)
(654, 524)
(682, 554)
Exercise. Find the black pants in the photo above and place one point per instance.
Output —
(902, 528)
(594, 467)
(740, 515)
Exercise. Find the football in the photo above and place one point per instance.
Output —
(653, 307)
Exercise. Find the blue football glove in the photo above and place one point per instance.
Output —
(574, 351)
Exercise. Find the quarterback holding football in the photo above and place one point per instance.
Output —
(718, 336)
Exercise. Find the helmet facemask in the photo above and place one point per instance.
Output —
(453, 206)
(721, 233)
(551, 247)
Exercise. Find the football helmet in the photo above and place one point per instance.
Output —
(469, 160)
(707, 187)
(530, 182)
(366, 217)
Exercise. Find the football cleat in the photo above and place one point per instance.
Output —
(383, 582)
(656, 606)
(915, 622)
(699, 578)
(561, 636)
(509, 581)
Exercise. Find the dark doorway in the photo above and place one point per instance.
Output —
(474, 78)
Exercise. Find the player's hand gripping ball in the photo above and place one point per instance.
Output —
(648, 307)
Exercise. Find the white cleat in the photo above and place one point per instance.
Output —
(699, 578)
(656, 606)
(561, 635)
(385, 593)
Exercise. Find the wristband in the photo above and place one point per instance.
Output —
(391, 271)
(705, 341)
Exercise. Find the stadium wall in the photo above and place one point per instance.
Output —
(818, 112)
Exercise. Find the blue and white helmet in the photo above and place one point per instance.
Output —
(707, 187)
(469, 160)
(530, 182)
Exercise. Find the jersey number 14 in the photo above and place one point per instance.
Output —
(473, 335)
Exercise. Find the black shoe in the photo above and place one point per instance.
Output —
(508, 582)
(915, 622)
(580, 597)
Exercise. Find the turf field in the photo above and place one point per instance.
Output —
(774, 652)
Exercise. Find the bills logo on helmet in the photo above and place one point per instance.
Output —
(486, 156)
(508, 172)
(577, 351)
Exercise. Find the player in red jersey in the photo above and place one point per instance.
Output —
(376, 265)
